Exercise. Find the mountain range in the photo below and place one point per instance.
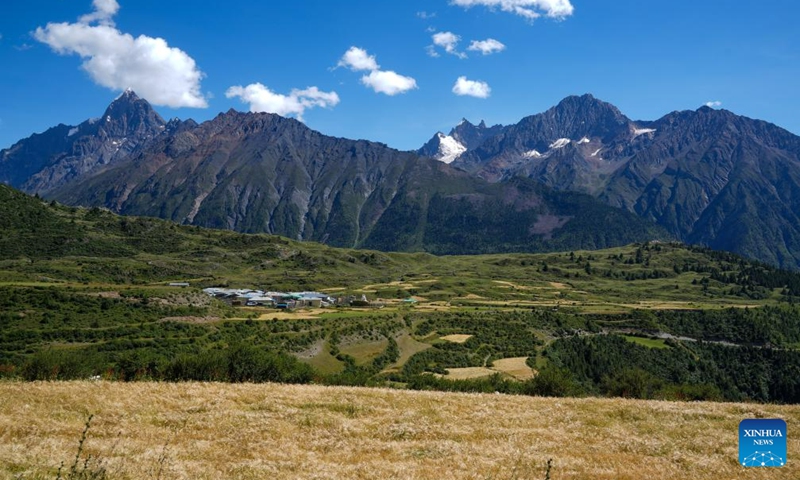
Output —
(259, 172)
(580, 175)
(707, 176)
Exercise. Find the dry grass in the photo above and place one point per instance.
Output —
(513, 286)
(212, 431)
(456, 338)
(472, 296)
(300, 314)
(516, 367)
(467, 373)
(675, 305)
(193, 320)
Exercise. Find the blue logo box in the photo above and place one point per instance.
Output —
(762, 443)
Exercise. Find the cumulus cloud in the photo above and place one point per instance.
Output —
(262, 99)
(486, 47)
(471, 88)
(529, 9)
(161, 74)
(358, 59)
(714, 104)
(104, 11)
(449, 42)
(388, 82)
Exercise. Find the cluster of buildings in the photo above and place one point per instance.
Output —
(255, 298)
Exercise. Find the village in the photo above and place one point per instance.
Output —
(287, 300)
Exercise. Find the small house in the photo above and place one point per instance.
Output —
(260, 302)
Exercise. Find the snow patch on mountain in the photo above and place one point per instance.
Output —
(642, 131)
(72, 131)
(596, 152)
(560, 143)
(584, 140)
(449, 149)
(532, 154)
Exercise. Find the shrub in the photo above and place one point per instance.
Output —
(552, 382)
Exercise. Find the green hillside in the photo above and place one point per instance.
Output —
(86, 293)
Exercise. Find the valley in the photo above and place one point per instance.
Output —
(92, 297)
(105, 316)
(454, 239)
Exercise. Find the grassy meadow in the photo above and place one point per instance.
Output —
(91, 297)
(209, 431)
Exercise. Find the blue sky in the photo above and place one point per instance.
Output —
(647, 58)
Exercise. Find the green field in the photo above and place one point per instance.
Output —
(91, 298)
(646, 342)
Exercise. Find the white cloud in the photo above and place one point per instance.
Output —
(471, 88)
(104, 11)
(388, 82)
(529, 9)
(426, 15)
(262, 99)
(431, 51)
(486, 47)
(448, 41)
(714, 104)
(358, 59)
(161, 74)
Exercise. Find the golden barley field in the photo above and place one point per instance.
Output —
(269, 431)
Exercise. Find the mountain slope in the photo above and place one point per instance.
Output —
(51, 159)
(45, 239)
(264, 173)
(707, 176)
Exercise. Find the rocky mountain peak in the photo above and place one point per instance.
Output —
(575, 117)
(472, 136)
(577, 112)
(61, 154)
(129, 115)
